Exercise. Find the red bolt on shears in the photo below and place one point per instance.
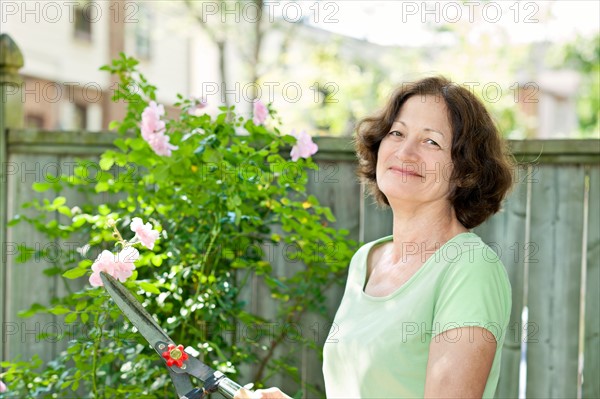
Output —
(175, 355)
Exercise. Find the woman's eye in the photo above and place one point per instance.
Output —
(429, 141)
(396, 133)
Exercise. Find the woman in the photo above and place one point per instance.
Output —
(425, 311)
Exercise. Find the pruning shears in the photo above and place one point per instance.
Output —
(180, 365)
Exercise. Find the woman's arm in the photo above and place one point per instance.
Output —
(459, 363)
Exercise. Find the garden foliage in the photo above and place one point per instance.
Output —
(235, 226)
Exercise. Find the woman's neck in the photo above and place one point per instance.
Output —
(423, 228)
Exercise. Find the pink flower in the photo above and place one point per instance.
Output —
(2, 387)
(105, 262)
(120, 266)
(260, 113)
(160, 144)
(151, 122)
(124, 266)
(144, 232)
(304, 147)
(153, 130)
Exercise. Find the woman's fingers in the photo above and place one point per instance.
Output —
(244, 393)
(270, 393)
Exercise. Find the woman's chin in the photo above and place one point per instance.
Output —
(404, 197)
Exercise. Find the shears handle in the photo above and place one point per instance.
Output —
(228, 388)
(219, 382)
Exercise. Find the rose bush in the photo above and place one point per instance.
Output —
(220, 197)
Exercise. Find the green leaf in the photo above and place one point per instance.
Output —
(148, 287)
(137, 144)
(58, 201)
(34, 309)
(71, 318)
(103, 209)
(59, 309)
(329, 215)
(40, 187)
(52, 271)
(120, 143)
(25, 253)
(78, 221)
(106, 162)
(102, 187)
(15, 220)
(76, 272)
(156, 260)
(65, 210)
(114, 125)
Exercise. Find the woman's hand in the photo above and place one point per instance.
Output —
(270, 393)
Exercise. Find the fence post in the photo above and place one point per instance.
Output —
(11, 116)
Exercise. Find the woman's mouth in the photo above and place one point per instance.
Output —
(404, 171)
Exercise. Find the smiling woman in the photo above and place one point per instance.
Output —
(425, 310)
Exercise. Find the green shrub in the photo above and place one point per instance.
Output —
(224, 202)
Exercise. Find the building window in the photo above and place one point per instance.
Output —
(84, 13)
(143, 42)
(80, 117)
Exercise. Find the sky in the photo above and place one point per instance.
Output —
(405, 22)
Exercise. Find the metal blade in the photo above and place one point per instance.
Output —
(148, 327)
(134, 311)
(182, 383)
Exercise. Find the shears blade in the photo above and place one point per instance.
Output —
(134, 311)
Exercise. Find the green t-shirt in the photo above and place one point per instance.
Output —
(378, 346)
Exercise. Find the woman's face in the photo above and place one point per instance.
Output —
(414, 161)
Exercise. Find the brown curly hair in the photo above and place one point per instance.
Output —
(483, 168)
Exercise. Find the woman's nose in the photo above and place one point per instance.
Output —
(407, 150)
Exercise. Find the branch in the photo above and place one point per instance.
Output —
(202, 22)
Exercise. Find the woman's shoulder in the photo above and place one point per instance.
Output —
(474, 289)
(468, 255)
(468, 249)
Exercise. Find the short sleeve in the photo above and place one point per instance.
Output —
(475, 291)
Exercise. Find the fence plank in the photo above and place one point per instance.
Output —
(591, 369)
(504, 233)
(554, 282)
(335, 185)
(376, 221)
(26, 282)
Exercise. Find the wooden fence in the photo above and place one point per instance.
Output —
(548, 237)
